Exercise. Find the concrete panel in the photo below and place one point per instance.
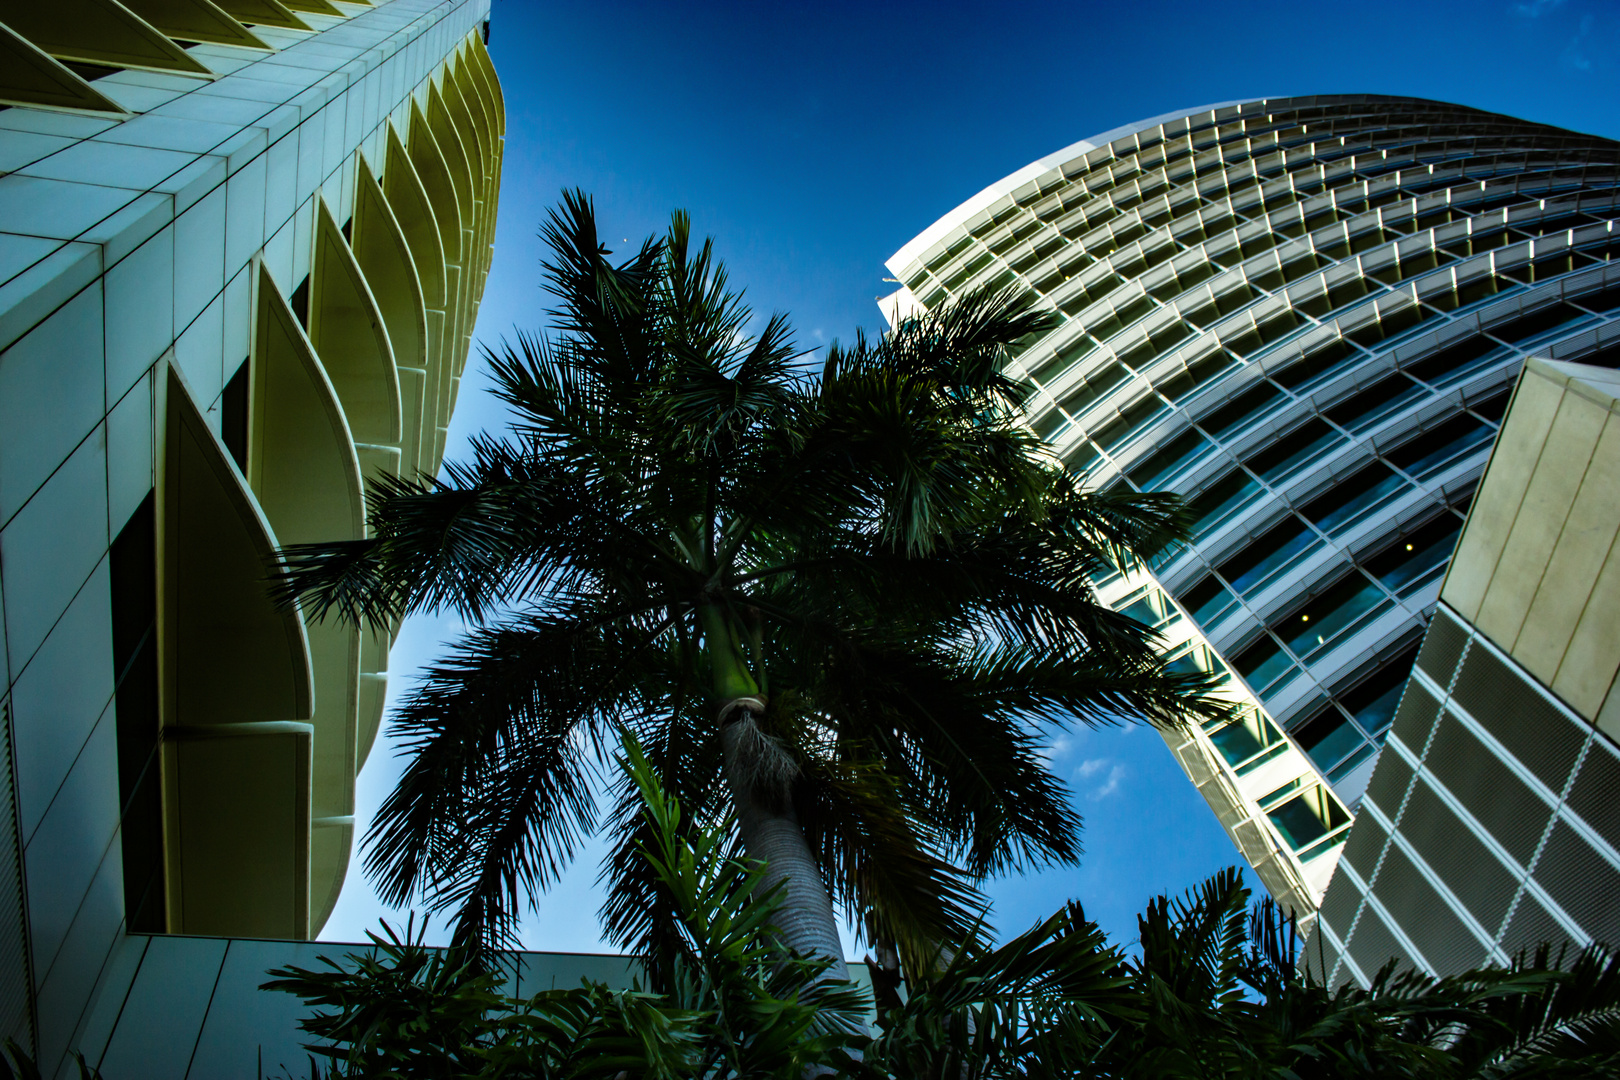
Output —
(1587, 542)
(1546, 502)
(1591, 658)
(112, 990)
(50, 547)
(199, 257)
(245, 212)
(70, 843)
(1536, 533)
(66, 990)
(1490, 520)
(162, 1019)
(140, 312)
(252, 1033)
(50, 396)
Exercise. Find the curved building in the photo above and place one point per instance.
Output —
(1304, 315)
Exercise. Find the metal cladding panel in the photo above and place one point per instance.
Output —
(1426, 919)
(1442, 648)
(1460, 858)
(1525, 722)
(1374, 945)
(1595, 794)
(1487, 788)
(1532, 926)
(1581, 881)
(1361, 854)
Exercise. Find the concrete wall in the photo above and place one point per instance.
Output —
(1537, 570)
(130, 243)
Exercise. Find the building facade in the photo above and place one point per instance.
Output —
(1491, 824)
(242, 247)
(1303, 315)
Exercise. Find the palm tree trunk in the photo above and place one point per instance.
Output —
(771, 833)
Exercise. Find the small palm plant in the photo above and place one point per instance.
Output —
(739, 1005)
(846, 609)
(1214, 992)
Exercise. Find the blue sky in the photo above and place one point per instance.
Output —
(813, 140)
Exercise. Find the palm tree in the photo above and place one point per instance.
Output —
(848, 607)
(1215, 991)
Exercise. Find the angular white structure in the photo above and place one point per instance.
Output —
(1304, 315)
(242, 247)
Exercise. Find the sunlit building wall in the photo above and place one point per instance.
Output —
(1491, 825)
(1304, 316)
(242, 247)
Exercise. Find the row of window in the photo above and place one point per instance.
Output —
(1076, 216)
(1287, 384)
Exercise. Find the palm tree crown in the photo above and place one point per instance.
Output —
(846, 606)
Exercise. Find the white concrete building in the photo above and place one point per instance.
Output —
(242, 246)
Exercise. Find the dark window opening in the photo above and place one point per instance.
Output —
(299, 302)
(1373, 702)
(1238, 411)
(1419, 556)
(233, 417)
(1263, 559)
(1431, 452)
(1350, 501)
(1222, 499)
(1293, 451)
(133, 565)
(1375, 403)
(1169, 459)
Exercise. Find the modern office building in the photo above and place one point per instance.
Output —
(242, 245)
(1305, 316)
(1492, 821)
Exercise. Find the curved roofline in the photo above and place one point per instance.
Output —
(925, 239)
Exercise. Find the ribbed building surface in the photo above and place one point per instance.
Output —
(1303, 315)
(242, 247)
(1491, 825)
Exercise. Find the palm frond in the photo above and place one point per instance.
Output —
(497, 794)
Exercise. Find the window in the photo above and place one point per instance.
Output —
(1417, 558)
(1317, 365)
(1375, 403)
(1217, 503)
(1453, 364)
(1226, 420)
(1432, 452)
(1373, 702)
(1258, 563)
(1208, 601)
(133, 565)
(1265, 665)
(1315, 626)
(1170, 460)
(1305, 444)
(1347, 503)
(1329, 737)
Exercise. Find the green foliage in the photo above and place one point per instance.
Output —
(1215, 992)
(740, 1005)
(16, 1064)
(680, 515)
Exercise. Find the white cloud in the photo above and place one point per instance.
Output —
(1536, 8)
(1087, 769)
(1111, 785)
(1573, 54)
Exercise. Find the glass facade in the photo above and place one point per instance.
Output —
(1303, 315)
